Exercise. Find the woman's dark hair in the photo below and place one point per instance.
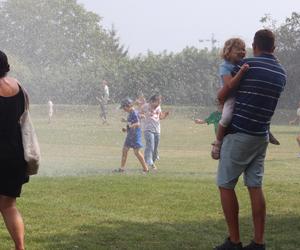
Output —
(155, 98)
(4, 66)
(265, 40)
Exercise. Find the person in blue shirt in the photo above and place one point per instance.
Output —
(244, 148)
(134, 136)
(233, 52)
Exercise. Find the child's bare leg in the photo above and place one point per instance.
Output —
(141, 159)
(124, 157)
(216, 149)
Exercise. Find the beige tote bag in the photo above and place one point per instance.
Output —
(31, 146)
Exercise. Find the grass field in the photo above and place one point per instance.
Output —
(76, 202)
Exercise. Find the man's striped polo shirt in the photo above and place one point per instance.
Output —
(257, 95)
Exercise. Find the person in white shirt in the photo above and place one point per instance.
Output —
(297, 121)
(152, 114)
(103, 100)
(50, 110)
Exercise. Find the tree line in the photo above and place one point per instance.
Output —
(61, 51)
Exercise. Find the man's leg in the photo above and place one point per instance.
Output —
(230, 207)
(258, 213)
(102, 112)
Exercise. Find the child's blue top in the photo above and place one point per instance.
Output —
(134, 135)
(225, 69)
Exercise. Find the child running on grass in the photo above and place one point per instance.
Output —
(234, 50)
(134, 136)
(214, 118)
(152, 114)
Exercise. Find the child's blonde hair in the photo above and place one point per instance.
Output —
(230, 44)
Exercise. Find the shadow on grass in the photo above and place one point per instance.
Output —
(283, 233)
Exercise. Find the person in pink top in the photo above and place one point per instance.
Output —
(152, 114)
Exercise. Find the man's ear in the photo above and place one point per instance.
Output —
(273, 49)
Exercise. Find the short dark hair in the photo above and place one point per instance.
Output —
(264, 40)
(4, 66)
(155, 98)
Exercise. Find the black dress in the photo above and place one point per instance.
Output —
(12, 163)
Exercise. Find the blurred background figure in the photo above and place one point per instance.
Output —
(50, 110)
(103, 100)
(296, 121)
(140, 100)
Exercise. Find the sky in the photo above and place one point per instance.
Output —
(171, 25)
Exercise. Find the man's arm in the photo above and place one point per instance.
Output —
(200, 121)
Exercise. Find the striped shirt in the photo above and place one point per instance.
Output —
(257, 95)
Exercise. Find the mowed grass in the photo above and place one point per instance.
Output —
(76, 202)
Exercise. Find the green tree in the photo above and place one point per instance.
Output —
(288, 52)
(64, 46)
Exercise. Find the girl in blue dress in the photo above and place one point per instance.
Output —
(134, 135)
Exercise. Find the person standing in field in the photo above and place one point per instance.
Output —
(152, 114)
(297, 121)
(50, 110)
(12, 163)
(244, 148)
(103, 100)
(233, 51)
(134, 136)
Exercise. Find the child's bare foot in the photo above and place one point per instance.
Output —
(119, 170)
(216, 149)
(273, 140)
(145, 171)
(153, 166)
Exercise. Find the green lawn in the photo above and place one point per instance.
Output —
(76, 202)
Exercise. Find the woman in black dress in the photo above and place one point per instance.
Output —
(12, 164)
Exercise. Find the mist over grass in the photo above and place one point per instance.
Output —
(76, 202)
